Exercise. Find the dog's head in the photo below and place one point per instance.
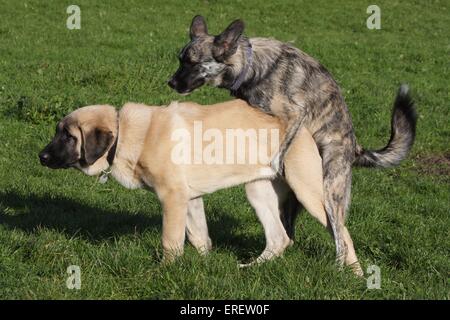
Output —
(205, 57)
(82, 140)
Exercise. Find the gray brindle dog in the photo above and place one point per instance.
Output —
(287, 83)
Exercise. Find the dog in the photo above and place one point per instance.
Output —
(137, 144)
(283, 81)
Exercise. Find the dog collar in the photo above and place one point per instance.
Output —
(110, 157)
(241, 77)
(104, 176)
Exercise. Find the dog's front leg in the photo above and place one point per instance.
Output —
(196, 226)
(293, 124)
(175, 207)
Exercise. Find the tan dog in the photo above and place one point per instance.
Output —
(154, 147)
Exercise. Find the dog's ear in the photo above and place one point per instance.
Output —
(198, 27)
(95, 144)
(226, 43)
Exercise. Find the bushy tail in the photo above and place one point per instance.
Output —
(403, 131)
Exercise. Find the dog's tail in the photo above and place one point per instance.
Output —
(403, 131)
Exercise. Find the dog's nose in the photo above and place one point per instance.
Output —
(44, 157)
(172, 83)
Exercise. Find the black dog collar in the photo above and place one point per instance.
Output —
(110, 157)
(112, 151)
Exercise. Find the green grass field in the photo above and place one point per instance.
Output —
(125, 51)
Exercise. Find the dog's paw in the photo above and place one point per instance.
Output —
(357, 270)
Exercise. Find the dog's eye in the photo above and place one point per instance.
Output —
(187, 61)
(67, 137)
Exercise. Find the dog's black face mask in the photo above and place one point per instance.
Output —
(61, 152)
(191, 74)
(203, 59)
(66, 151)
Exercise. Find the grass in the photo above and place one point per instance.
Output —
(399, 218)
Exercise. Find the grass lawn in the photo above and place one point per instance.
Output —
(125, 51)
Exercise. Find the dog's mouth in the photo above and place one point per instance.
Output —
(59, 165)
(70, 165)
(191, 87)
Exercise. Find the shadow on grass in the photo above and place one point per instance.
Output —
(75, 219)
(72, 218)
(228, 233)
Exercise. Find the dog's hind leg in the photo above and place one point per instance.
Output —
(337, 179)
(196, 226)
(351, 260)
(264, 198)
(304, 168)
(289, 211)
(313, 203)
(293, 125)
(288, 206)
